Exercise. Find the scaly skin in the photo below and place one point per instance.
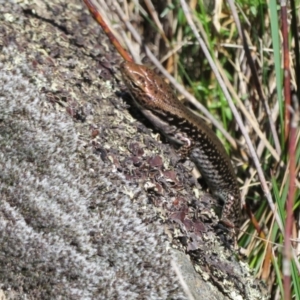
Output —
(157, 101)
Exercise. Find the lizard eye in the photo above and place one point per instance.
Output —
(135, 85)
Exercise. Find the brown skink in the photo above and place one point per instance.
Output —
(157, 101)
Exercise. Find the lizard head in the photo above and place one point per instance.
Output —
(148, 88)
